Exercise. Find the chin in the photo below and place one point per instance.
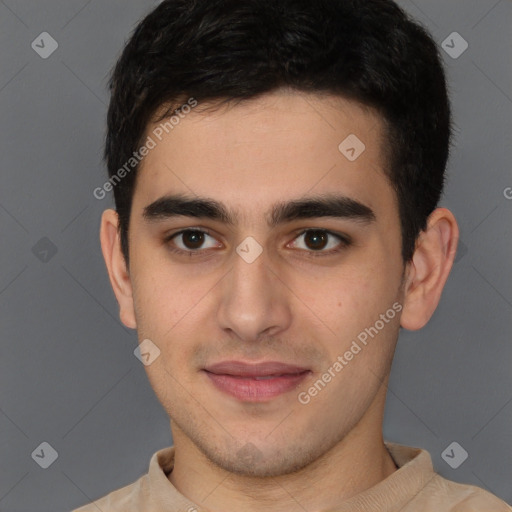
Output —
(250, 461)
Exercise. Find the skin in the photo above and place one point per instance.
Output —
(287, 305)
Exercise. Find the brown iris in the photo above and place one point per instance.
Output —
(193, 239)
(315, 239)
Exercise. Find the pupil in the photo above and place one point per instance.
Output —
(193, 239)
(318, 239)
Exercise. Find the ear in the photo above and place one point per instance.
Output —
(116, 266)
(428, 270)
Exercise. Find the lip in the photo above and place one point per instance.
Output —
(242, 369)
(255, 382)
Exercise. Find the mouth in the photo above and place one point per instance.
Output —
(255, 382)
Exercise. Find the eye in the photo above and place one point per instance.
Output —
(191, 240)
(316, 242)
(321, 241)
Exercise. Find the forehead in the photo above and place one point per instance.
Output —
(258, 152)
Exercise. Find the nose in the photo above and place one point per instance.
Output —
(254, 300)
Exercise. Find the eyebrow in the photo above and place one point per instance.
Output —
(337, 206)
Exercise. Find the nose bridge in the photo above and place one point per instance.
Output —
(249, 277)
(252, 298)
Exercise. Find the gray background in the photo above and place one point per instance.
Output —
(68, 375)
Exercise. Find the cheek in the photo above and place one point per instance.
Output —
(347, 289)
(164, 302)
(354, 298)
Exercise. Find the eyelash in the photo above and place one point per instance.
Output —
(344, 240)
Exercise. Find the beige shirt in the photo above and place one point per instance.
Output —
(414, 487)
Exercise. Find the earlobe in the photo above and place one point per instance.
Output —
(429, 268)
(116, 267)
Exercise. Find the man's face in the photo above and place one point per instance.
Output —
(285, 295)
